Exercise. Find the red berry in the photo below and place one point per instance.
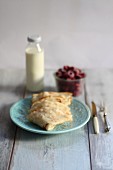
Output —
(77, 84)
(59, 70)
(72, 68)
(71, 74)
(59, 74)
(65, 75)
(83, 75)
(76, 71)
(78, 76)
(66, 67)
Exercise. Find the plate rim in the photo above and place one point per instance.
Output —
(50, 132)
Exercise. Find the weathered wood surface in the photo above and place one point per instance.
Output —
(53, 152)
(11, 90)
(100, 88)
(77, 150)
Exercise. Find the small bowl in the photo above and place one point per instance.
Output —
(76, 87)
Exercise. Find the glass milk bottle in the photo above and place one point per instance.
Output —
(34, 64)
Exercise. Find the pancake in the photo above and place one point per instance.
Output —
(50, 109)
(62, 97)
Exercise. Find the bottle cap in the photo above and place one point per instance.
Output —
(34, 38)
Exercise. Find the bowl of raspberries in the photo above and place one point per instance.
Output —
(70, 79)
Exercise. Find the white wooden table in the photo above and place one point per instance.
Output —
(76, 150)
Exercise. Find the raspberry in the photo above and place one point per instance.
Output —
(66, 67)
(71, 74)
(83, 75)
(59, 74)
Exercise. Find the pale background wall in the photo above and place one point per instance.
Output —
(75, 32)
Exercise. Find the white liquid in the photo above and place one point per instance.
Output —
(34, 69)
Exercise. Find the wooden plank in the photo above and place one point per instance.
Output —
(11, 89)
(100, 87)
(67, 151)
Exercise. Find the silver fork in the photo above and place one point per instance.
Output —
(103, 109)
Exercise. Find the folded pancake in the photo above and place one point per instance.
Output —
(62, 97)
(49, 114)
(50, 109)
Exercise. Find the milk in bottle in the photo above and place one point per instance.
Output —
(34, 64)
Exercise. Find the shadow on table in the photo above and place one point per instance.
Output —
(50, 88)
(20, 90)
(41, 141)
(7, 127)
(17, 90)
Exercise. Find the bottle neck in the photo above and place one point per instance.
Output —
(36, 45)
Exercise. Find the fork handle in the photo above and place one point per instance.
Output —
(107, 125)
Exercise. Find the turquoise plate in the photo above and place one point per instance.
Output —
(19, 111)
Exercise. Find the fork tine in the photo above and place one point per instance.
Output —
(102, 104)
